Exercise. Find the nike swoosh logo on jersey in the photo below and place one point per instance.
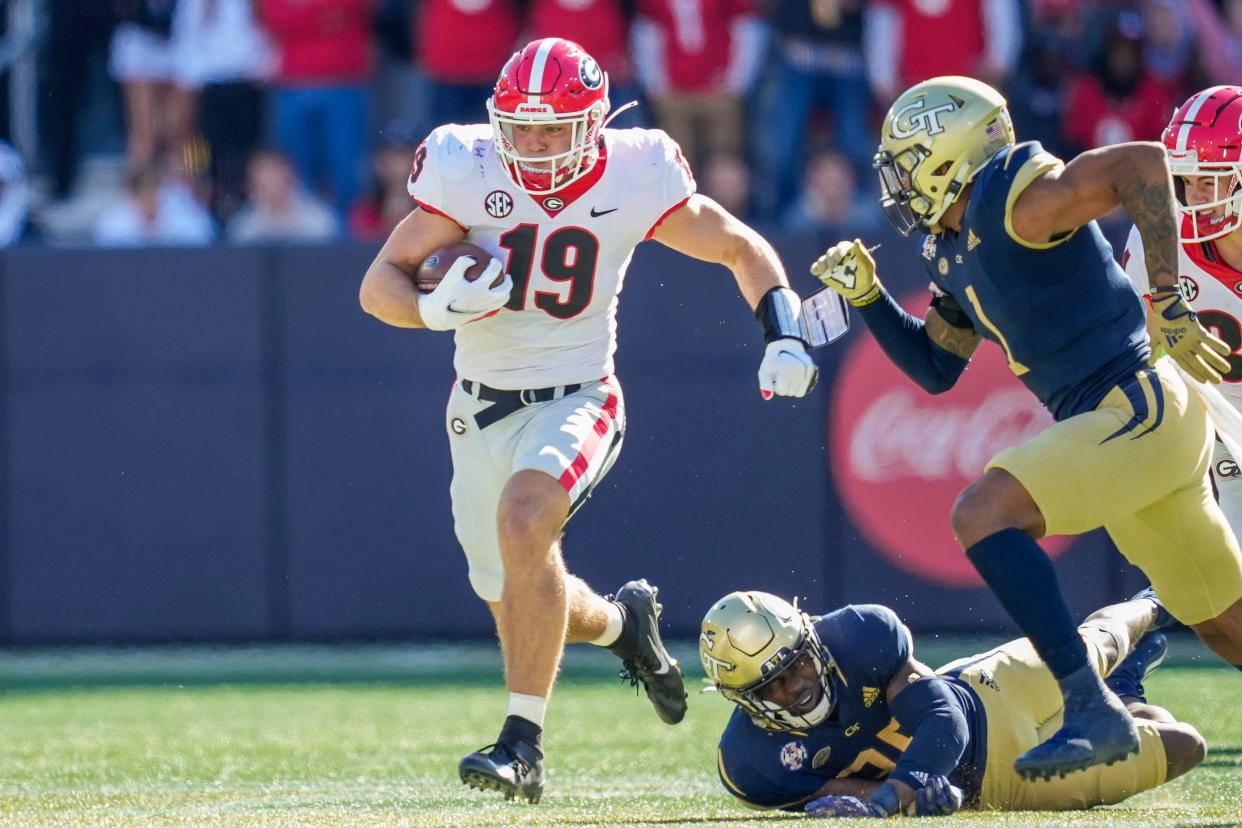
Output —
(595, 214)
(659, 651)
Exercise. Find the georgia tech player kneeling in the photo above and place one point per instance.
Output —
(835, 716)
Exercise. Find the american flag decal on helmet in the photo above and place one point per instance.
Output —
(994, 131)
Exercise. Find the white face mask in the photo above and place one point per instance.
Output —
(1221, 213)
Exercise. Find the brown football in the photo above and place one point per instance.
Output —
(433, 268)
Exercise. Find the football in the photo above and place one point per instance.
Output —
(433, 268)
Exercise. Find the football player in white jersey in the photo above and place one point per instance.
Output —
(1203, 142)
(535, 419)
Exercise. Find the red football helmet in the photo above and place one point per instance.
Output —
(549, 81)
(1205, 139)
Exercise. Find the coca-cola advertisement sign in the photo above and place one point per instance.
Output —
(901, 456)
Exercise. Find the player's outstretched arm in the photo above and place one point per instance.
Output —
(927, 709)
(703, 229)
(932, 351)
(923, 704)
(387, 290)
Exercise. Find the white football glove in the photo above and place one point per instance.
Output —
(787, 370)
(456, 301)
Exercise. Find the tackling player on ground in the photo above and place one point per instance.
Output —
(836, 716)
(536, 418)
(1014, 255)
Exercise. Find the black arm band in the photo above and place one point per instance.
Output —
(929, 710)
(904, 339)
(778, 314)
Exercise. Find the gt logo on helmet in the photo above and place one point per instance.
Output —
(922, 120)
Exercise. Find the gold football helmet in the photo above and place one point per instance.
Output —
(936, 137)
(747, 639)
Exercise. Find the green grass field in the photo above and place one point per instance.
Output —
(321, 736)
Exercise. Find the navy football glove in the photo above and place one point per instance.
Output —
(883, 803)
(828, 807)
(938, 797)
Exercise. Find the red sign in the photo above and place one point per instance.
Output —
(901, 456)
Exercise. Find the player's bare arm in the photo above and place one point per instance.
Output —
(706, 231)
(387, 291)
(1133, 175)
(960, 342)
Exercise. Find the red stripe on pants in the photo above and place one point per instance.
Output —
(571, 475)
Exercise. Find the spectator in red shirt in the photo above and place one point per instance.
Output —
(696, 59)
(600, 27)
(386, 200)
(320, 103)
(908, 41)
(1117, 99)
(460, 44)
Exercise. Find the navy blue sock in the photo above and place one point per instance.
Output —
(1023, 580)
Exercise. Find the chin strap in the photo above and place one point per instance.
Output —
(608, 120)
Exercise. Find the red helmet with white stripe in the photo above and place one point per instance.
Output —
(550, 81)
(1204, 139)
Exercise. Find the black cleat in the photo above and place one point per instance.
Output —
(1126, 679)
(515, 770)
(1097, 730)
(643, 655)
(1164, 618)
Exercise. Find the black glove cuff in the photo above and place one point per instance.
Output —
(778, 314)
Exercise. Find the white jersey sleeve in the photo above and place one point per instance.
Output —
(441, 165)
(1134, 262)
(668, 174)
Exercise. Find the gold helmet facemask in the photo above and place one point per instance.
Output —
(747, 640)
(936, 138)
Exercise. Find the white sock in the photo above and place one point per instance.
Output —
(530, 708)
(616, 623)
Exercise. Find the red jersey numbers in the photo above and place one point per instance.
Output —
(420, 156)
(569, 257)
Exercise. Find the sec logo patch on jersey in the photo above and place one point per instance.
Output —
(498, 204)
(1190, 288)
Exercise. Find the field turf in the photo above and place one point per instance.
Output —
(318, 736)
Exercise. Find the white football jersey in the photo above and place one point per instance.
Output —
(1214, 290)
(567, 252)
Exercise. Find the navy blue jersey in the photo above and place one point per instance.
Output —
(784, 769)
(1070, 322)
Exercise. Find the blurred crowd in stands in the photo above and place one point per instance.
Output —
(192, 122)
